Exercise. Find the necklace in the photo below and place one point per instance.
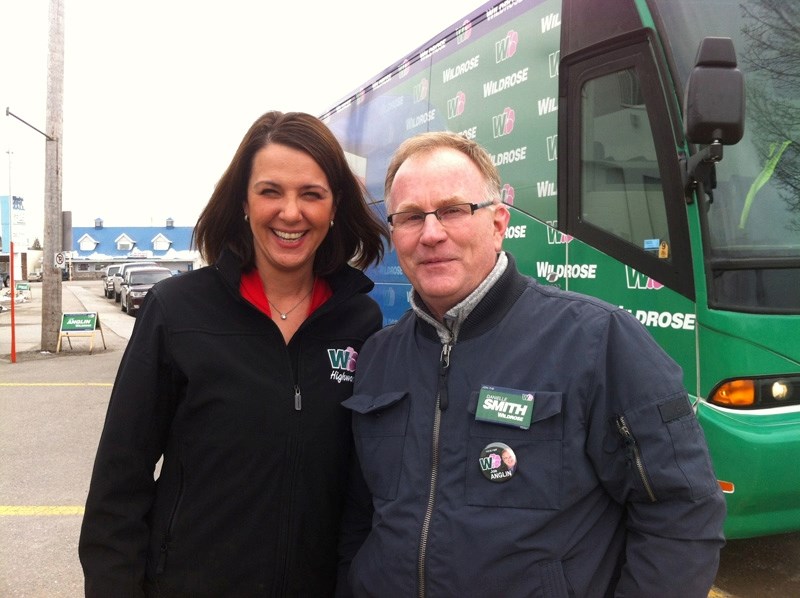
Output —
(284, 314)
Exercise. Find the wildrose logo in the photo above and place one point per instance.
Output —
(343, 364)
(421, 91)
(555, 236)
(503, 123)
(455, 106)
(405, 67)
(507, 194)
(506, 47)
(464, 32)
(637, 280)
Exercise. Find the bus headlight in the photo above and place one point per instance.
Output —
(780, 390)
(757, 393)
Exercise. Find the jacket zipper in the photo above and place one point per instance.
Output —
(162, 557)
(441, 405)
(298, 399)
(286, 534)
(635, 455)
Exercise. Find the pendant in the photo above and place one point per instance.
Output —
(283, 316)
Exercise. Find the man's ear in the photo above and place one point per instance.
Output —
(501, 218)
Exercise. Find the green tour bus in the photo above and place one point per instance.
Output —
(632, 174)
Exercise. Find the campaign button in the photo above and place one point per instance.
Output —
(498, 462)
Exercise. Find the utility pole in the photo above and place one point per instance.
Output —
(53, 243)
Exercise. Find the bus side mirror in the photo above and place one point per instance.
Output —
(713, 109)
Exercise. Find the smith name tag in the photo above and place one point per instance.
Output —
(505, 406)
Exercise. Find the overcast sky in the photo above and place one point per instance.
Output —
(158, 93)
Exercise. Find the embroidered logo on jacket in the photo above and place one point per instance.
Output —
(343, 362)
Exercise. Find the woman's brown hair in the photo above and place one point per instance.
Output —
(357, 234)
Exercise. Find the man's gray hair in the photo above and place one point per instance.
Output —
(428, 142)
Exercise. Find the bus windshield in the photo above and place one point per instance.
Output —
(751, 224)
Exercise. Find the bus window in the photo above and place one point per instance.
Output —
(619, 184)
(752, 228)
(621, 188)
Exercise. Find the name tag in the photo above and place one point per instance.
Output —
(505, 406)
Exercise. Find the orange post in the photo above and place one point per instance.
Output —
(13, 302)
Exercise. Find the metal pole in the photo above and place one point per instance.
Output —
(11, 286)
(9, 113)
(13, 302)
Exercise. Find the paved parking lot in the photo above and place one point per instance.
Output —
(52, 409)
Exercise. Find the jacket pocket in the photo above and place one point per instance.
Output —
(379, 429)
(537, 479)
(673, 449)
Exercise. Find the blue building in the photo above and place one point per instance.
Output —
(94, 248)
(13, 228)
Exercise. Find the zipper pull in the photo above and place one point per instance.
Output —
(297, 398)
(162, 558)
(445, 359)
(635, 456)
(444, 363)
(627, 438)
(622, 426)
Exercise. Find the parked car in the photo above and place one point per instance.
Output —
(120, 276)
(136, 284)
(34, 277)
(108, 280)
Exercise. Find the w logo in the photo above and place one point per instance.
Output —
(489, 462)
(421, 91)
(553, 60)
(405, 67)
(556, 237)
(464, 32)
(343, 359)
(455, 106)
(507, 194)
(503, 124)
(637, 280)
(552, 148)
(506, 47)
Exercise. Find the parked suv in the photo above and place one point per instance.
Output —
(108, 280)
(119, 276)
(136, 284)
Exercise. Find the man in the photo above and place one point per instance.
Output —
(510, 459)
(612, 491)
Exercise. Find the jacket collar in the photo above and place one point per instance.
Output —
(494, 305)
(345, 282)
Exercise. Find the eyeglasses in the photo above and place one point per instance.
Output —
(452, 215)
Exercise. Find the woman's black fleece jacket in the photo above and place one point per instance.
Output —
(254, 440)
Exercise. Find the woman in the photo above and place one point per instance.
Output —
(235, 374)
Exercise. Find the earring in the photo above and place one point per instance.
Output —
(246, 218)
(331, 223)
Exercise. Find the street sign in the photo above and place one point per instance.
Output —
(22, 287)
(60, 259)
(80, 324)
